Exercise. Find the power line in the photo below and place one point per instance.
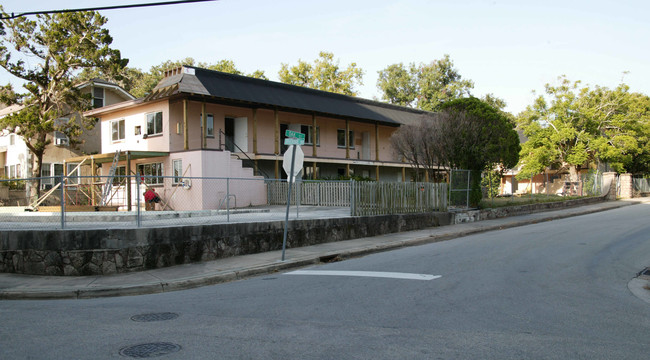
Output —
(12, 16)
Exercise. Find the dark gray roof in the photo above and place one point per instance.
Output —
(264, 93)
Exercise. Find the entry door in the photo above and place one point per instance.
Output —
(229, 130)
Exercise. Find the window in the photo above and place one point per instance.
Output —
(309, 134)
(46, 174)
(117, 130)
(60, 139)
(12, 139)
(177, 171)
(98, 97)
(209, 124)
(73, 176)
(154, 169)
(120, 173)
(154, 123)
(340, 138)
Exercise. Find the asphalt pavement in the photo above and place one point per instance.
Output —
(180, 277)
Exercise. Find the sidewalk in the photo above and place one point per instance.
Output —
(16, 286)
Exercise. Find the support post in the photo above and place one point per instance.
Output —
(128, 188)
(186, 139)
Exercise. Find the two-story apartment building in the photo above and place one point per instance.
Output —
(195, 120)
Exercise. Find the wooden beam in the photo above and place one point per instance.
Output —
(186, 139)
(204, 127)
(277, 143)
(254, 131)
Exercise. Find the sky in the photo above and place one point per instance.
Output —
(508, 48)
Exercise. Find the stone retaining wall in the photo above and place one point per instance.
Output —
(102, 252)
(487, 214)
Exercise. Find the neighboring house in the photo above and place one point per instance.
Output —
(16, 159)
(195, 119)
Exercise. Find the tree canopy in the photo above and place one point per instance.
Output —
(47, 54)
(573, 126)
(324, 74)
(424, 86)
(466, 134)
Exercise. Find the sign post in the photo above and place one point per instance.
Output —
(294, 139)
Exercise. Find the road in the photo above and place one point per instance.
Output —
(553, 290)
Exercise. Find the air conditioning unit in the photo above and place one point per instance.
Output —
(61, 142)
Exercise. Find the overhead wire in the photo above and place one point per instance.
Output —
(114, 7)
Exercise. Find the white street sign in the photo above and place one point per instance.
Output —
(299, 160)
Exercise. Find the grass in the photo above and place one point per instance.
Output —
(524, 200)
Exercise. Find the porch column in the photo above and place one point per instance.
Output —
(255, 168)
(204, 127)
(128, 188)
(277, 143)
(403, 174)
(377, 150)
(186, 139)
(314, 139)
(93, 200)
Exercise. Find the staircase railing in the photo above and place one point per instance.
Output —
(229, 142)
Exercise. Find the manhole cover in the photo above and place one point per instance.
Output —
(154, 317)
(150, 350)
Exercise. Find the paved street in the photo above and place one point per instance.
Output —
(552, 290)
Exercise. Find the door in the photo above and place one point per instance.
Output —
(229, 131)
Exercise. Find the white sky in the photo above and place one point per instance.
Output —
(507, 47)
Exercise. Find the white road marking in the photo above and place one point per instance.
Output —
(377, 274)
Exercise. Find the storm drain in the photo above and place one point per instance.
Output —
(150, 350)
(154, 317)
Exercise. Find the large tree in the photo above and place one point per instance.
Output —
(466, 134)
(46, 54)
(425, 86)
(573, 126)
(324, 74)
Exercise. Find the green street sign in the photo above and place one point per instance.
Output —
(294, 134)
(294, 141)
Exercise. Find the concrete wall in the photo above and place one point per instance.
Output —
(96, 251)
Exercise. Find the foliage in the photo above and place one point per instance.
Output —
(573, 126)
(425, 86)
(524, 200)
(491, 181)
(467, 134)
(325, 74)
(47, 53)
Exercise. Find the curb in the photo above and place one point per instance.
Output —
(191, 282)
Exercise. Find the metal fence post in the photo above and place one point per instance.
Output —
(469, 175)
(62, 202)
(138, 218)
(227, 199)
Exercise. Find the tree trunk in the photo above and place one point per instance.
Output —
(35, 190)
(574, 173)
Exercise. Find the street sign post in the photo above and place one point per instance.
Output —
(292, 164)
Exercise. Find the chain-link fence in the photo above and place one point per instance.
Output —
(122, 201)
(641, 184)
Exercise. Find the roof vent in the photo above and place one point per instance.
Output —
(178, 71)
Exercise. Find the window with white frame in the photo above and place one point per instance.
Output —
(177, 171)
(60, 139)
(340, 138)
(154, 123)
(46, 173)
(209, 125)
(12, 139)
(309, 134)
(149, 170)
(98, 97)
(117, 130)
